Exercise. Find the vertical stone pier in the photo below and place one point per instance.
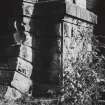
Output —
(57, 34)
(38, 65)
(42, 21)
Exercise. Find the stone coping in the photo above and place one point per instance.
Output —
(80, 13)
(44, 9)
(59, 8)
(43, 1)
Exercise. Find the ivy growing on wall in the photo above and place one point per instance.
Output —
(83, 81)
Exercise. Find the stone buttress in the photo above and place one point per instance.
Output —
(57, 34)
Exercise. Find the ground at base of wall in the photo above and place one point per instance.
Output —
(30, 102)
(26, 100)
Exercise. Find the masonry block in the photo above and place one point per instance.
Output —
(20, 65)
(46, 9)
(28, 28)
(27, 53)
(41, 1)
(28, 9)
(93, 17)
(31, 1)
(73, 41)
(21, 83)
(24, 67)
(32, 41)
(81, 13)
(26, 20)
(69, 1)
(81, 3)
(71, 9)
(29, 40)
(67, 66)
(12, 94)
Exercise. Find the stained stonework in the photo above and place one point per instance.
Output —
(81, 3)
(57, 35)
(39, 58)
(77, 44)
(24, 67)
(77, 40)
(26, 53)
(21, 83)
(12, 94)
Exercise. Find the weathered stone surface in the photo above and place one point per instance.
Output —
(76, 41)
(19, 37)
(32, 41)
(77, 22)
(68, 19)
(81, 3)
(84, 14)
(71, 9)
(41, 1)
(12, 94)
(77, 53)
(29, 40)
(21, 83)
(77, 45)
(77, 12)
(24, 67)
(29, 24)
(28, 28)
(92, 17)
(26, 20)
(21, 66)
(70, 1)
(30, 21)
(46, 9)
(67, 66)
(58, 29)
(27, 53)
(28, 9)
(31, 1)
(57, 44)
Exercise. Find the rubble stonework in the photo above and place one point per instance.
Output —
(57, 34)
(77, 51)
(77, 40)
